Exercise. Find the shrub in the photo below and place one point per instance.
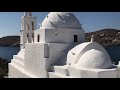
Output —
(3, 67)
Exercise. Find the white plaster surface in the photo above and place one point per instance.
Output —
(60, 20)
(110, 73)
(74, 52)
(64, 35)
(56, 55)
(63, 70)
(34, 60)
(59, 35)
(56, 75)
(17, 72)
(76, 72)
(118, 71)
(90, 55)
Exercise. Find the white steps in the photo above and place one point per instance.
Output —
(15, 57)
(19, 58)
(18, 61)
(56, 75)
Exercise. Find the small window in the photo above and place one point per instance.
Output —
(75, 38)
(38, 38)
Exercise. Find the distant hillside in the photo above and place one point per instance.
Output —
(105, 36)
(10, 41)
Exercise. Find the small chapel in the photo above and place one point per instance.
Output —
(58, 50)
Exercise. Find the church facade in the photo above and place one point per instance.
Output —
(58, 50)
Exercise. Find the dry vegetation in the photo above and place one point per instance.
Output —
(105, 37)
(3, 67)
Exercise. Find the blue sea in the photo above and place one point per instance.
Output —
(114, 52)
(8, 52)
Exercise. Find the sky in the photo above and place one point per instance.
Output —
(91, 21)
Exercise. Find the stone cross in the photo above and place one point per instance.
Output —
(92, 38)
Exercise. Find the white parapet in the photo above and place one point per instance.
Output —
(92, 73)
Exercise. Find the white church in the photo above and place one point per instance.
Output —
(58, 50)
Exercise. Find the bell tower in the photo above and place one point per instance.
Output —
(29, 14)
(28, 25)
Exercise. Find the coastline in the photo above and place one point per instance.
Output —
(9, 46)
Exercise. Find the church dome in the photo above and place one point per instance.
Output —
(89, 55)
(60, 20)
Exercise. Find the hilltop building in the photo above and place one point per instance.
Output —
(58, 50)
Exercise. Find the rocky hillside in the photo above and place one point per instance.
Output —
(105, 36)
(10, 41)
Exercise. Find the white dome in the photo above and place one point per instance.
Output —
(89, 55)
(60, 20)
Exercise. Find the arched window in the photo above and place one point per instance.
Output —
(38, 38)
(75, 38)
(27, 38)
(32, 25)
